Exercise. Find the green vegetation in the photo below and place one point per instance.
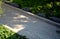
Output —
(48, 7)
(8, 34)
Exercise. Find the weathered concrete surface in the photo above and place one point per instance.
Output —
(28, 25)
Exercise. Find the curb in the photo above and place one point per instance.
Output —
(41, 18)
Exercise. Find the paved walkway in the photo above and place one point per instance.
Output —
(28, 25)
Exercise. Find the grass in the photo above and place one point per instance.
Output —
(8, 34)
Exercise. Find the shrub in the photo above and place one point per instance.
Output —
(44, 6)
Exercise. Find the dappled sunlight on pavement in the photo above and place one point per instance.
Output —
(16, 29)
(25, 24)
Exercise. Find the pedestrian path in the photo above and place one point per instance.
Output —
(28, 25)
